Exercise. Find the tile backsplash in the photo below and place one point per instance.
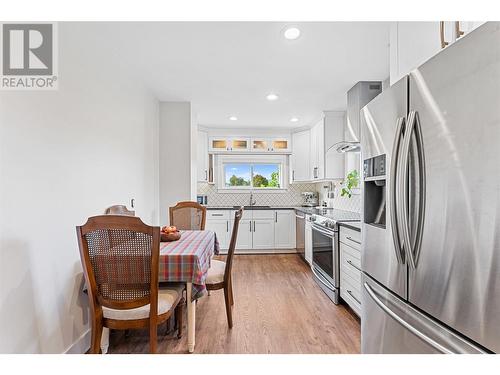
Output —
(291, 198)
(338, 202)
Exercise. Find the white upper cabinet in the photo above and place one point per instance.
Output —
(300, 159)
(224, 144)
(202, 156)
(317, 147)
(334, 132)
(271, 144)
(413, 43)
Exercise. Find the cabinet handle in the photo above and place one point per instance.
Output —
(217, 215)
(275, 217)
(353, 240)
(352, 264)
(293, 175)
(206, 175)
(458, 32)
(441, 33)
(227, 226)
(250, 226)
(254, 226)
(352, 295)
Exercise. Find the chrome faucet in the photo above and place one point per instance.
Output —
(252, 201)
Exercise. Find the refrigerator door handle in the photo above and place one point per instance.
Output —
(420, 203)
(404, 323)
(403, 188)
(396, 235)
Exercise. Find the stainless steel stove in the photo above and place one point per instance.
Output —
(326, 254)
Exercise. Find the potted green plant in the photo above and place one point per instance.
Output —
(351, 182)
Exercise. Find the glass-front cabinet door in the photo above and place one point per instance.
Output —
(239, 144)
(218, 144)
(280, 145)
(260, 145)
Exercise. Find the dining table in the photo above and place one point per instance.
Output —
(186, 260)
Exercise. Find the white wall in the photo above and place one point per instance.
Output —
(66, 155)
(176, 170)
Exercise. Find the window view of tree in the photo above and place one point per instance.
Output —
(252, 175)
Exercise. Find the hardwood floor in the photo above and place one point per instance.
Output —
(278, 308)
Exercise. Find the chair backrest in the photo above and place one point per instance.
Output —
(119, 210)
(120, 256)
(188, 216)
(232, 245)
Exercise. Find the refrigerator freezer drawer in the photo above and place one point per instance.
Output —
(390, 325)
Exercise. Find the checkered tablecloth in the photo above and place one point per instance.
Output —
(188, 259)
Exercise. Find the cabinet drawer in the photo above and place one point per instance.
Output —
(351, 295)
(350, 237)
(263, 214)
(352, 253)
(218, 214)
(348, 266)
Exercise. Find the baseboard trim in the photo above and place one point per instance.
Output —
(260, 252)
(81, 345)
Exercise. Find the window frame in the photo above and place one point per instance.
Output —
(281, 160)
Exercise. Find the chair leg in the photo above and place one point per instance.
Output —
(95, 344)
(227, 298)
(231, 290)
(179, 312)
(153, 337)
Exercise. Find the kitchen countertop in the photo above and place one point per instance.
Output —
(253, 208)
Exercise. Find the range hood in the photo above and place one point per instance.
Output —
(347, 146)
(357, 97)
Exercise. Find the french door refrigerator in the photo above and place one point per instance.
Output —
(431, 205)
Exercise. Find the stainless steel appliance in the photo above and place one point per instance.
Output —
(357, 97)
(325, 249)
(300, 229)
(430, 252)
(310, 199)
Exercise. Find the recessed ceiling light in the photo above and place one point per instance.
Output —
(233, 118)
(272, 97)
(292, 33)
(294, 119)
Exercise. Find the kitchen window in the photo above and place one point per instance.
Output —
(265, 173)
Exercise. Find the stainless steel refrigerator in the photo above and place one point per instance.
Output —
(431, 205)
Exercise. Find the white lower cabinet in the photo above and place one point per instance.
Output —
(259, 231)
(350, 265)
(244, 239)
(284, 229)
(308, 241)
(221, 229)
(263, 234)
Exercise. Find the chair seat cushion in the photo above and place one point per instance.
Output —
(215, 273)
(166, 300)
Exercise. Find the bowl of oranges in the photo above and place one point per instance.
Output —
(169, 234)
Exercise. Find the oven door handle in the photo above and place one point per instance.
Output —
(320, 278)
(323, 231)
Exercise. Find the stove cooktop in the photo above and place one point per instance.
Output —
(329, 217)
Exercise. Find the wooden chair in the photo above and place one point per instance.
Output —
(122, 280)
(219, 273)
(119, 210)
(188, 215)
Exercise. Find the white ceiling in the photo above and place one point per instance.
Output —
(227, 68)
